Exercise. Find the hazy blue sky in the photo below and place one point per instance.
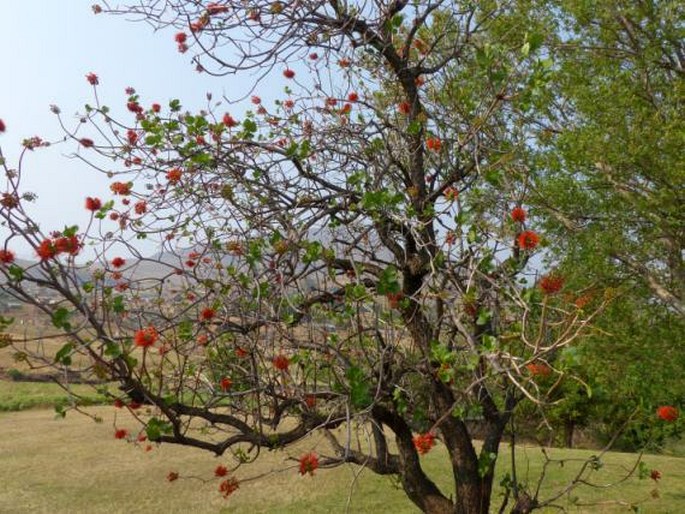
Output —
(46, 49)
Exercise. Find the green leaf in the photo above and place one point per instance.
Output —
(63, 355)
(60, 319)
(359, 389)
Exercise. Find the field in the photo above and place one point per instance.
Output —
(75, 465)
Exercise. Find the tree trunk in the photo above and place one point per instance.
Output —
(569, 429)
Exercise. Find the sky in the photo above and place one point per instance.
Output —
(46, 49)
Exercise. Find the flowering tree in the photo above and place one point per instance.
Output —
(355, 254)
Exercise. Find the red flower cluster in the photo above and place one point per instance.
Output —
(146, 337)
(86, 142)
(121, 433)
(118, 262)
(120, 188)
(173, 175)
(551, 284)
(309, 463)
(221, 471)
(434, 144)
(353, 97)
(288, 73)
(132, 137)
(404, 108)
(539, 369)
(134, 107)
(655, 475)
(172, 476)
(93, 204)
(156, 107)
(518, 214)
(281, 362)
(229, 120)
(140, 207)
(216, 8)
(451, 194)
(527, 240)
(6, 257)
(667, 413)
(92, 79)
(424, 442)
(180, 37)
(228, 487)
(207, 314)
(49, 248)
(225, 384)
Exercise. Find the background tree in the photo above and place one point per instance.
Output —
(355, 255)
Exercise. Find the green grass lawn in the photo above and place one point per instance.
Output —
(75, 465)
(16, 396)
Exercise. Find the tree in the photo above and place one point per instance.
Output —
(357, 254)
(618, 140)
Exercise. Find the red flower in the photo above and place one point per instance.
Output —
(527, 240)
(539, 369)
(180, 37)
(173, 175)
(225, 384)
(344, 63)
(667, 413)
(655, 475)
(228, 487)
(120, 188)
(221, 471)
(6, 257)
(207, 314)
(451, 194)
(46, 250)
(353, 97)
(190, 264)
(309, 463)
(3, 127)
(92, 79)
(404, 107)
(156, 107)
(70, 245)
(132, 137)
(118, 262)
(314, 56)
(424, 442)
(134, 107)
(229, 121)
(518, 214)
(93, 204)
(173, 475)
(288, 73)
(86, 142)
(121, 433)
(215, 8)
(140, 207)
(434, 144)
(281, 362)
(256, 100)
(310, 401)
(135, 406)
(146, 337)
(288, 104)
(118, 404)
(551, 283)
(130, 91)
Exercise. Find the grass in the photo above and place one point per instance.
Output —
(17, 396)
(75, 465)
